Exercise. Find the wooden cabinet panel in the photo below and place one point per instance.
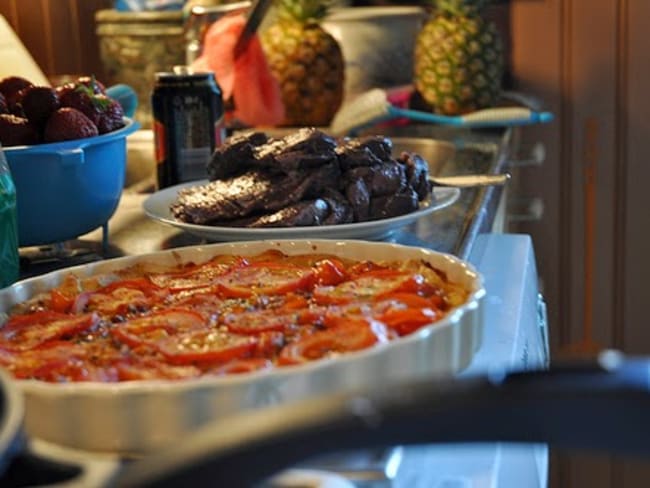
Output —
(60, 34)
(588, 60)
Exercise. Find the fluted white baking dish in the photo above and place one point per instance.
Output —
(137, 417)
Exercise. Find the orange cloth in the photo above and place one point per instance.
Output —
(255, 92)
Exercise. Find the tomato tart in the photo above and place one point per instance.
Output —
(135, 352)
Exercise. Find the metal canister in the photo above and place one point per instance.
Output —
(188, 124)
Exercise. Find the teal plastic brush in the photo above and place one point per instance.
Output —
(373, 107)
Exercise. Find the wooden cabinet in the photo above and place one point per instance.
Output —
(588, 60)
(60, 34)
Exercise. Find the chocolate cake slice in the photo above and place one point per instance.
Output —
(236, 197)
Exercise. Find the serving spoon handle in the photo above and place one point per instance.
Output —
(466, 181)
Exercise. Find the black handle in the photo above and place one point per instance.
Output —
(602, 405)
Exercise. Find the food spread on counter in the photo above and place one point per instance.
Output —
(31, 114)
(306, 178)
(230, 314)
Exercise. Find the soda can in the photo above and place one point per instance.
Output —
(188, 124)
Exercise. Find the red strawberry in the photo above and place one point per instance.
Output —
(67, 124)
(112, 116)
(17, 131)
(82, 99)
(91, 82)
(11, 87)
(38, 103)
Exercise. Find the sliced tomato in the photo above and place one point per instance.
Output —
(60, 302)
(154, 369)
(206, 346)
(239, 366)
(142, 284)
(266, 278)
(149, 329)
(207, 304)
(293, 302)
(364, 267)
(257, 321)
(330, 272)
(22, 332)
(406, 321)
(346, 334)
(61, 361)
(64, 370)
(122, 302)
(198, 276)
(367, 287)
(268, 344)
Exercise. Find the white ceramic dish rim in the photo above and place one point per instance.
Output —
(156, 207)
(141, 416)
(247, 247)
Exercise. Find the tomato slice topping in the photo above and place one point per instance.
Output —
(67, 369)
(256, 322)
(408, 320)
(60, 361)
(124, 297)
(345, 334)
(330, 272)
(368, 287)
(153, 369)
(197, 276)
(239, 366)
(265, 278)
(151, 328)
(206, 346)
(22, 332)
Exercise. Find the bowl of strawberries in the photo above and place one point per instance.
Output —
(66, 149)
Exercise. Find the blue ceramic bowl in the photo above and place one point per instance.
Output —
(66, 189)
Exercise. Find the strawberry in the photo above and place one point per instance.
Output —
(17, 131)
(102, 110)
(82, 99)
(91, 82)
(94, 86)
(112, 116)
(68, 123)
(11, 86)
(38, 103)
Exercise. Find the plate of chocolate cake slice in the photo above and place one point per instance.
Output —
(303, 185)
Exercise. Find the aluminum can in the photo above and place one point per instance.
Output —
(188, 124)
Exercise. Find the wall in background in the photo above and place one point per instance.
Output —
(60, 34)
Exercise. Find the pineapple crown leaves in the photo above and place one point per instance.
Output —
(458, 8)
(303, 11)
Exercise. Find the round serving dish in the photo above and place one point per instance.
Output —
(141, 416)
(67, 189)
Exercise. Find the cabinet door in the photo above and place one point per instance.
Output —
(588, 61)
(59, 34)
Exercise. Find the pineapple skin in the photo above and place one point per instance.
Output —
(308, 64)
(458, 63)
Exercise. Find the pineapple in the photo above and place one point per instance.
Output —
(307, 62)
(458, 58)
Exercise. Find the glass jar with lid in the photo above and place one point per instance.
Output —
(9, 259)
